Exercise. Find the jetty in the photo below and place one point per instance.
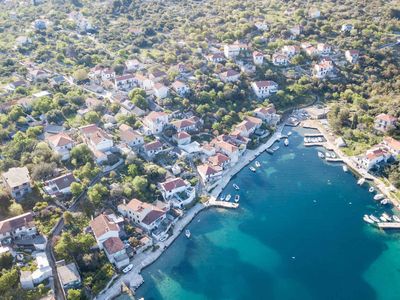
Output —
(313, 135)
(224, 204)
(336, 159)
(389, 225)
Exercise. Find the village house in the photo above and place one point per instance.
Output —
(60, 185)
(258, 58)
(233, 50)
(229, 76)
(245, 128)
(107, 74)
(43, 271)
(18, 227)
(280, 59)
(208, 149)
(132, 65)
(184, 125)
(346, 27)
(146, 215)
(209, 173)
(17, 182)
(291, 50)
(37, 75)
(374, 157)
(264, 88)
(216, 57)
(93, 103)
(130, 136)
(182, 138)
(384, 122)
(96, 138)
(311, 51)
(68, 275)
(157, 76)
(262, 26)
(61, 143)
(23, 41)
(324, 49)
(219, 160)
(155, 122)
(160, 90)
(314, 13)
(393, 146)
(352, 56)
(125, 82)
(296, 30)
(323, 69)
(180, 88)
(227, 148)
(173, 186)
(267, 114)
(153, 148)
(103, 228)
(116, 252)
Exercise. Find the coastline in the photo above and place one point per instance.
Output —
(330, 145)
(133, 279)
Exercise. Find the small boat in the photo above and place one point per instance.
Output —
(236, 187)
(378, 197)
(222, 198)
(373, 218)
(371, 189)
(258, 164)
(387, 217)
(361, 181)
(384, 201)
(396, 218)
(321, 155)
(289, 133)
(286, 142)
(345, 168)
(270, 151)
(367, 219)
(276, 148)
(187, 233)
(228, 197)
(327, 155)
(333, 155)
(382, 219)
(237, 198)
(252, 169)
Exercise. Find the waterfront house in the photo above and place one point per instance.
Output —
(393, 146)
(182, 138)
(280, 59)
(248, 126)
(61, 143)
(17, 182)
(173, 186)
(209, 173)
(229, 76)
(375, 156)
(384, 122)
(146, 215)
(180, 88)
(232, 151)
(60, 185)
(267, 114)
(352, 56)
(18, 227)
(103, 228)
(130, 136)
(155, 122)
(264, 88)
(116, 252)
(219, 160)
(68, 275)
(208, 149)
(233, 50)
(258, 58)
(153, 148)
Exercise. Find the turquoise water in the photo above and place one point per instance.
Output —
(298, 234)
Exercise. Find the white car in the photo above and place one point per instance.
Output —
(127, 268)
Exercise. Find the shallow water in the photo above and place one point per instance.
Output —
(298, 234)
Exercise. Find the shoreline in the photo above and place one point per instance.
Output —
(348, 161)
(134, 279)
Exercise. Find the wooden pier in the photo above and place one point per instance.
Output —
(389, 225)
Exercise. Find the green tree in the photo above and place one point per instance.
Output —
(74, 294)
(15, 209)
(76, 188)
(6, 260)
(80, 155)
(97, 193)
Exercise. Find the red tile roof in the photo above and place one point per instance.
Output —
(113, 245)
(172, 184)
(101, 225)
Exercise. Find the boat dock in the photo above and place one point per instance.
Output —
(389, 225)
(313, 135)
(336, 159)
(223, 204)
(318, 144)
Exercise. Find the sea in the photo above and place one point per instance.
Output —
(298, 234)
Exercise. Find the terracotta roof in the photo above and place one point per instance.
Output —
(128, 134)
(102, 224)
(265, 83)
(230, 73)
(254, 120)
(257, 53)
(158, 73)
(124, 77)
(113, 245)
(376, 153)
(172, 184)
(386, 117)
(16, 222)
(152, 216)
(225, 146)
(218, 159)
(153, 145)
(178, 84)
(206, 170)
(60, 139)
(182, 135)
(266, 110)
(179, 124)
(245, 125)
(16, 176)
(154, 115)
(392, 143)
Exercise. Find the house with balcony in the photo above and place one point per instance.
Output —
(129, 136)
(385, 122)
(155, 122)
(18, 227)
(17, 182)
(264, 88)
(208, 173)
(60, 185)
(61, 143)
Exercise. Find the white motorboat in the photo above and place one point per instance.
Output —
(385, 201)
(252, 169)
(286, 142)
(396, 218)
(361, 181)
(345, 168)
(187, 233)
(321, 155)
(373, 218)
(387, 217)
(236, 187)
(289, 133)
(367, 219)
(371, 189)
(275, 148)
(222, 198)
(258, 164)
(327, 155)
(333, 155)
(379, 197)
(228, 197)
(237, 198)
(382, 219)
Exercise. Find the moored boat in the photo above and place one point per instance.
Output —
(373, 218)
(371, 189)
(361, 181)
(258, 164)
(222, 197)
(367, 219)
(187, 233)
(345, 168)
(252, 169)
(237, 198)
(228, 197)
(275, 148)
(378, 197)
(387, 217)
(235, 186)
(286, 142)
(396, 218)
(289, 133)
(327, 155)
(382, 219)
(270, 151)
(321, 155)
(385, 201)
